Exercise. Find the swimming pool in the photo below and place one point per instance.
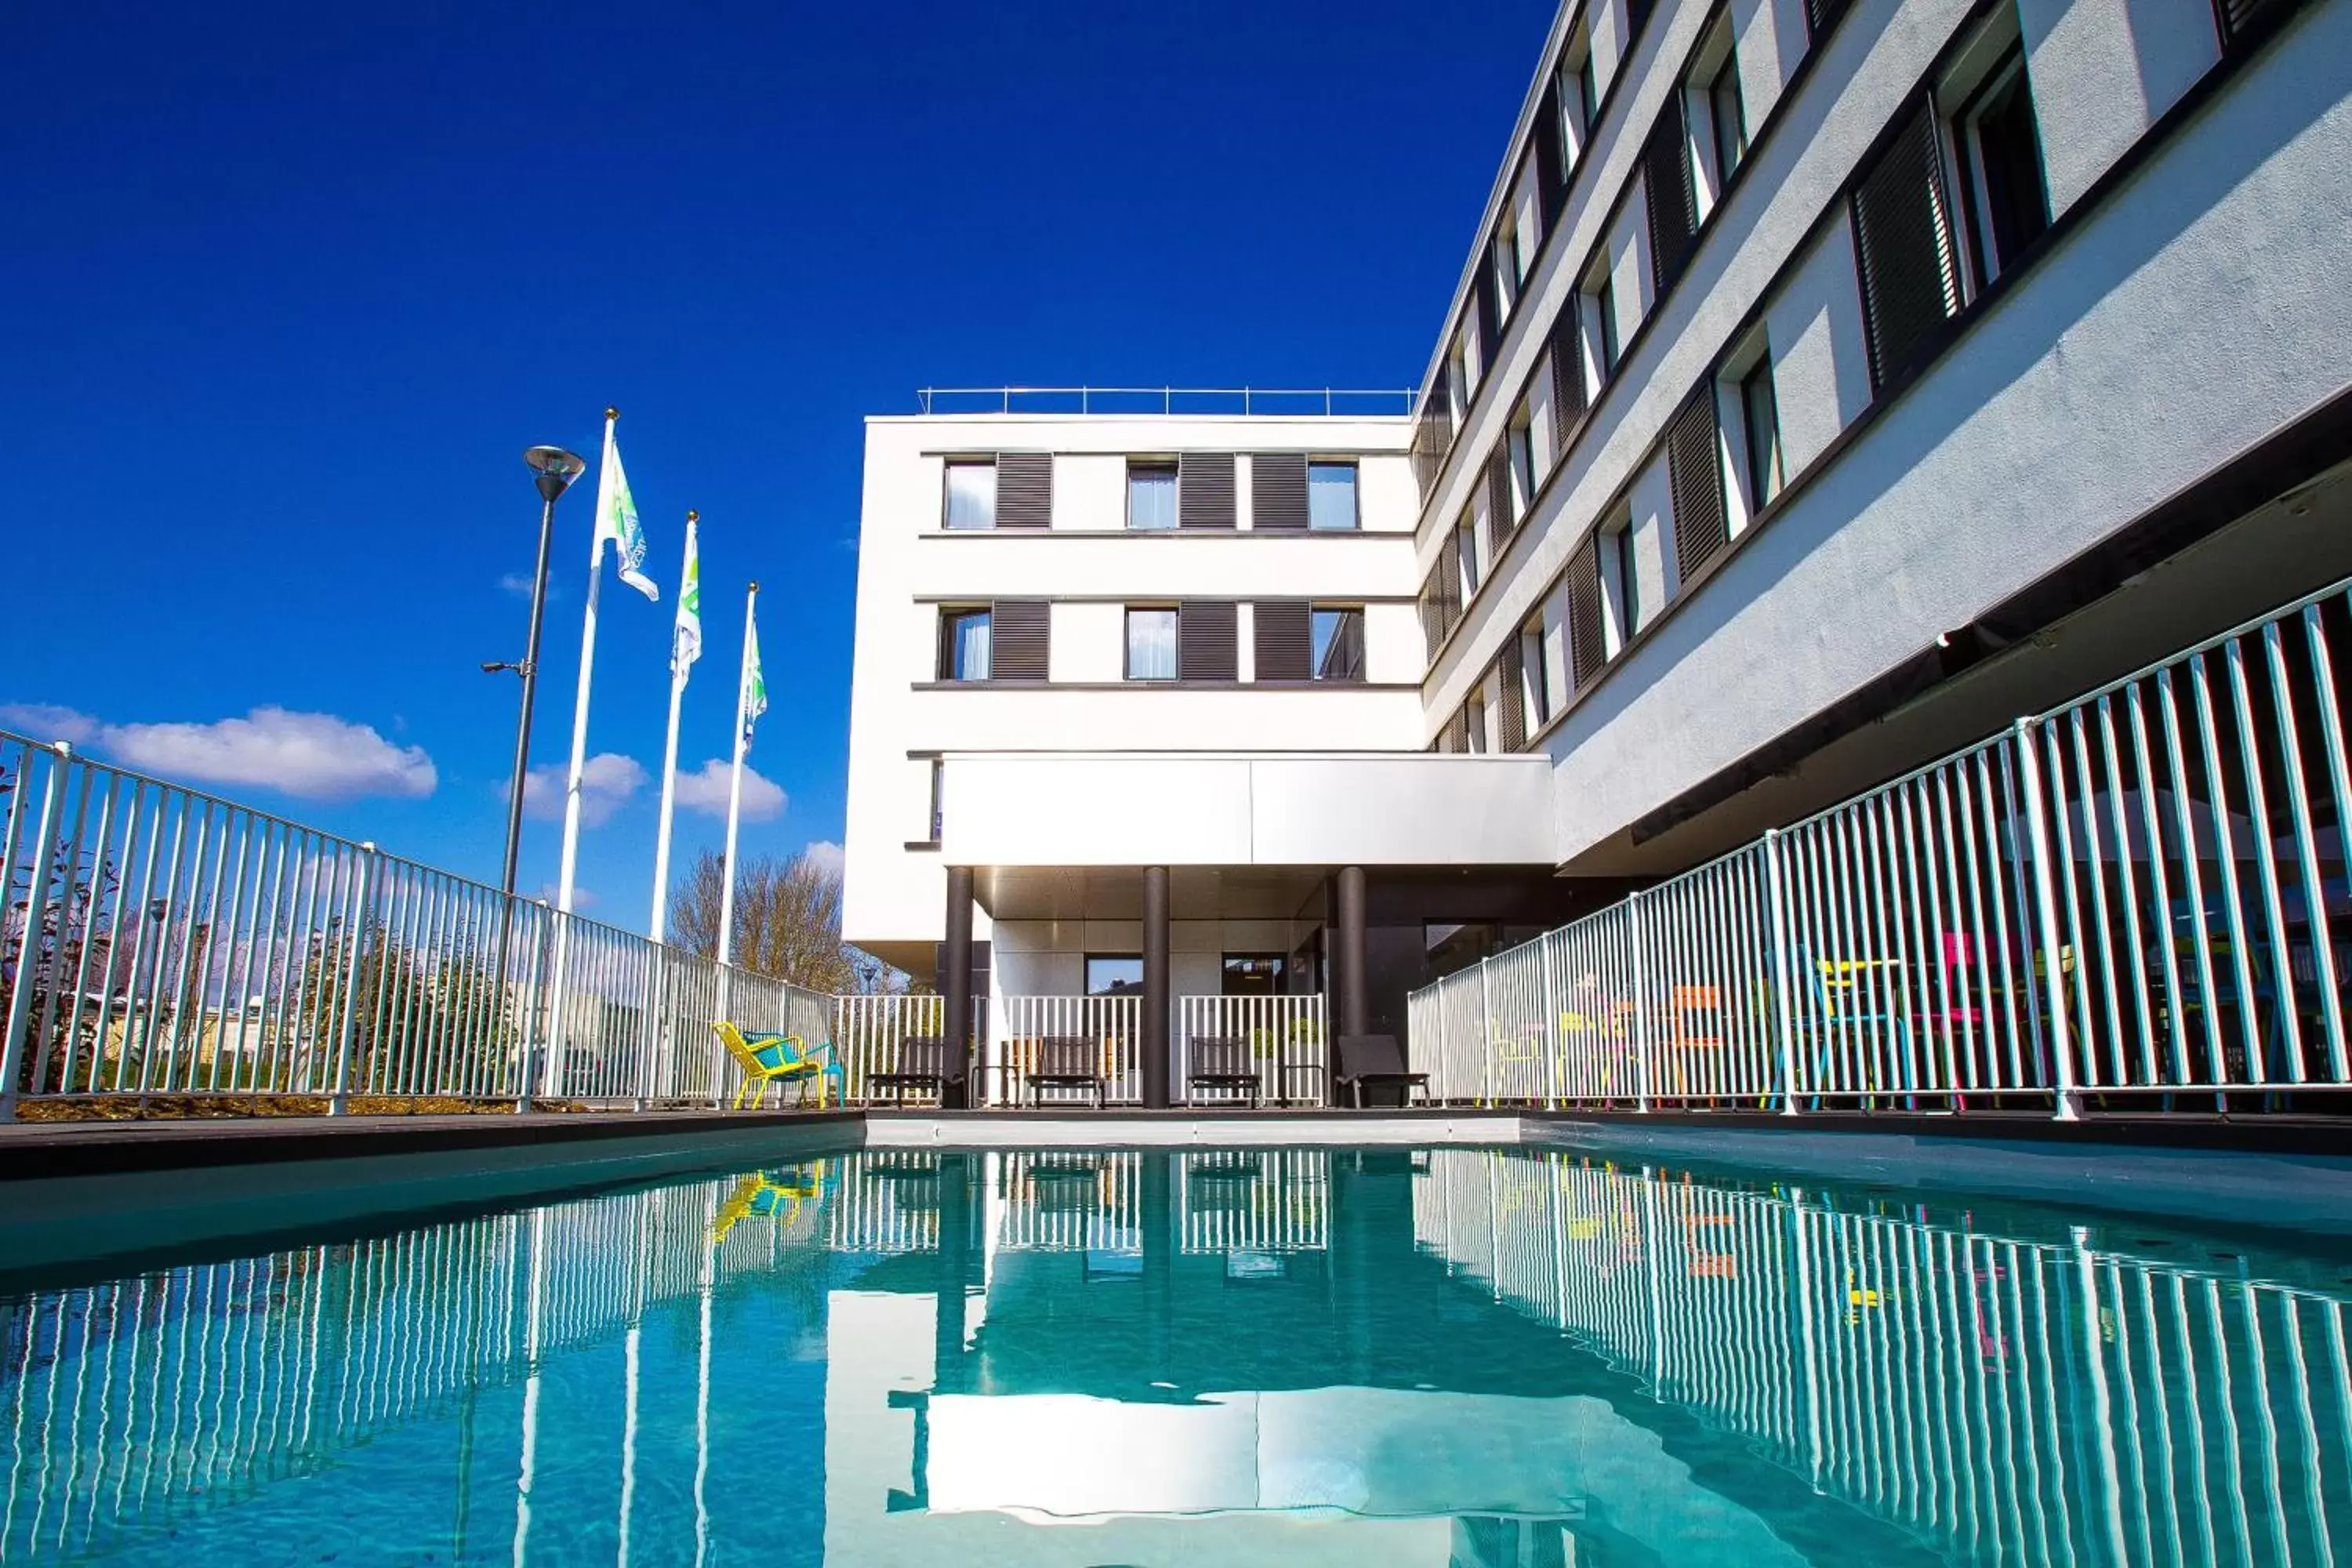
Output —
(1464, 1355)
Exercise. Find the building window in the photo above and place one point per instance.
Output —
(1151, 643)
(1506, 266)
(1621, 612)
(938, 798)
(1114, 974)
(1151, 496)
(1998, 148)
(1759, 412)
(1601, 325)
(1457, 375)
(1332, 497)
(1526, 224)
(1537, 681)
(1578, 96)
(1336, 638)
(972, 494)
(963, 645)
(1727, 118)
(1466, 551)
(1520, 446)
(1252, 974)
(1474, 720)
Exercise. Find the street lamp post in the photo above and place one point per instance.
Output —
(553, 469)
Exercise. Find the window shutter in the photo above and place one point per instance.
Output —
(1278, 492)
(1285, 651)
(1498, 504)
(1821, 16)
(1636, 13)
(1902, 241)
(1432, 612)
(1551, 187)
(1568, 399)
(1024, 490)
(1669, 195)
(1434, 433)
(1019, 635)
(1208, 640)
(1457, 731)
(1694, 471)
(1490, 320)
(1204, 490)
(1587, 652)
(2236, 17)
(1512, 670)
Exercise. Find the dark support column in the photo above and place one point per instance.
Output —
(1155, 986)
(955, 985)
(1350, 982)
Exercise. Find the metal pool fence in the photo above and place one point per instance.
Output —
(2000, 1398)
(2136, 901)
(160, 941)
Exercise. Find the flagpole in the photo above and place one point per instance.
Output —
(571, 863)
(659, 927)
(735, 784)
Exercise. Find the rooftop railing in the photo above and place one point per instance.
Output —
(1204, 401)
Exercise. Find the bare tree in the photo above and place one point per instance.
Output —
(787, 922)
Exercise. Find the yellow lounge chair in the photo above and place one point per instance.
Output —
(778, 1058)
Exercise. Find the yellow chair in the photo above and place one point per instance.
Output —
(778, 1058)
(759, 1195)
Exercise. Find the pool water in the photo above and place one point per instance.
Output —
(1483, 1357)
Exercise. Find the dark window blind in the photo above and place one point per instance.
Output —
(1498, 504)
(1457, 732)
(1568, 397)
(1019, 639)
(1024, 490)
(1440, 600)
(1694, 472)
(1671, 199)
(1511, 673)
(1821, 16)
(1434, 431)
(1279, 634)
(1551, 184)
(1903, 244)
(1587, 651)
(1490, 316)
(1208, 640)
(1278, 492)
(1204, 490)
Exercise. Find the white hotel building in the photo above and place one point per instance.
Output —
(1830, 382)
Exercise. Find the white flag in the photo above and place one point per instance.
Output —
(617, 519)
(686, 642)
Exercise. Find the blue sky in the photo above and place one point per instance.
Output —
(285, 297)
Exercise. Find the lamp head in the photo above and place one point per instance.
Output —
(554, 468)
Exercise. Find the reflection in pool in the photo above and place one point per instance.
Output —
(1470, 1356)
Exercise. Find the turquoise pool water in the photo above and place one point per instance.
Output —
(1445, 1356)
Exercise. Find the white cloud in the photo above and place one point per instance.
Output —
(514, 582)
(826, 853)
(49, 721)
(706, 790)
(607, 780)
(312, 756)
(582, 898)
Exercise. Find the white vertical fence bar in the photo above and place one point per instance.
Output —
(159, 944)
(1284, 1039)
(2137, 901)
(1114, 1023)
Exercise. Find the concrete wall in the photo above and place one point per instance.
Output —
(1075, 809)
